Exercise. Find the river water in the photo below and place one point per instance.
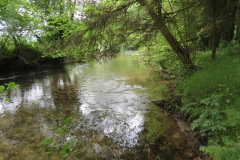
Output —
(110, 105)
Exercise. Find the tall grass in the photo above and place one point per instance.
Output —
(211, 98)
(222, 76)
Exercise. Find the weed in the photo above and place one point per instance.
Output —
(62, 142)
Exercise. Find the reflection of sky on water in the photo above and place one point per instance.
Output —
(38, 94)
(108, 112)
(34, 94)
(119, 109)
(12, 105)
(108, 104)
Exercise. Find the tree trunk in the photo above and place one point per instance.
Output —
(214, 29)
(238, 24)
(229, 15)
(182, 53)
(73, 9)
(61, 12)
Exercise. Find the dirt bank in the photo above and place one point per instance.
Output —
(179, 142)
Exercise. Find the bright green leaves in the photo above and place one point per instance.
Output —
(2, 88)
(89, 8)
(228, 150)
(65, 150)
(5, 89)
(69, 147)
(67, 120)
(62, 142)
(212, 101)
(3, 93)
(12, 85)
(47, 141)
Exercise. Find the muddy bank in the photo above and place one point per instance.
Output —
(179, 142)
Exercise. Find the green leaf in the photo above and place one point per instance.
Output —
(65, 149)
(7, 99)
(47, 141)
(59, 132)
(67, 120)
(12, 85)
(47, 150)
(2, 88)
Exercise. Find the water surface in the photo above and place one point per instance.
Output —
(113, 117)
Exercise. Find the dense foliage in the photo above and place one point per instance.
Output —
(33, 31)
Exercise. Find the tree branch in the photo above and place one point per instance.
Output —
(183, 9)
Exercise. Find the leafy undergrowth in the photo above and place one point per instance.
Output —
(211, 99)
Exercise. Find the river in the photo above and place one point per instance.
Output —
(110, 105)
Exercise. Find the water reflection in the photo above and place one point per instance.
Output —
(12, 105)
(107, 101)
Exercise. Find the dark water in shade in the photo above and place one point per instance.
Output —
(113, 117)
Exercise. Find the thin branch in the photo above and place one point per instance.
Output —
(183, 9)
(124, 6)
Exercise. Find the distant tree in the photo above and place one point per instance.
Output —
(218, 21)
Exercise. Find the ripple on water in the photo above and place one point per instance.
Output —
(108, 112)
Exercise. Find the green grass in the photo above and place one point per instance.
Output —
(211, 99)
(222, 76)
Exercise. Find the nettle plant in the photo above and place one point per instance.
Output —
(62, 142)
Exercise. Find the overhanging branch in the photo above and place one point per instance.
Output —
(185, 8)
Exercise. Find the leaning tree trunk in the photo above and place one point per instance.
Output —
(182, 53)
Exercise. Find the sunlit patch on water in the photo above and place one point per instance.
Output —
(119, 109)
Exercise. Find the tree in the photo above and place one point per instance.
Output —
(214, 28)
(218, 21)
(113, 21)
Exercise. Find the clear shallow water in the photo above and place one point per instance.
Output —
(110, 104)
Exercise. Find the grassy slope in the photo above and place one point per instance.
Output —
(211, 97)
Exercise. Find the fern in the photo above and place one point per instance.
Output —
(230, 150)
(233, 117)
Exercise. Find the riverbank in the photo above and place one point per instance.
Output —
(209, 102)
(179, 141)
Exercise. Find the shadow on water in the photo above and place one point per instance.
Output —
(113, 117)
